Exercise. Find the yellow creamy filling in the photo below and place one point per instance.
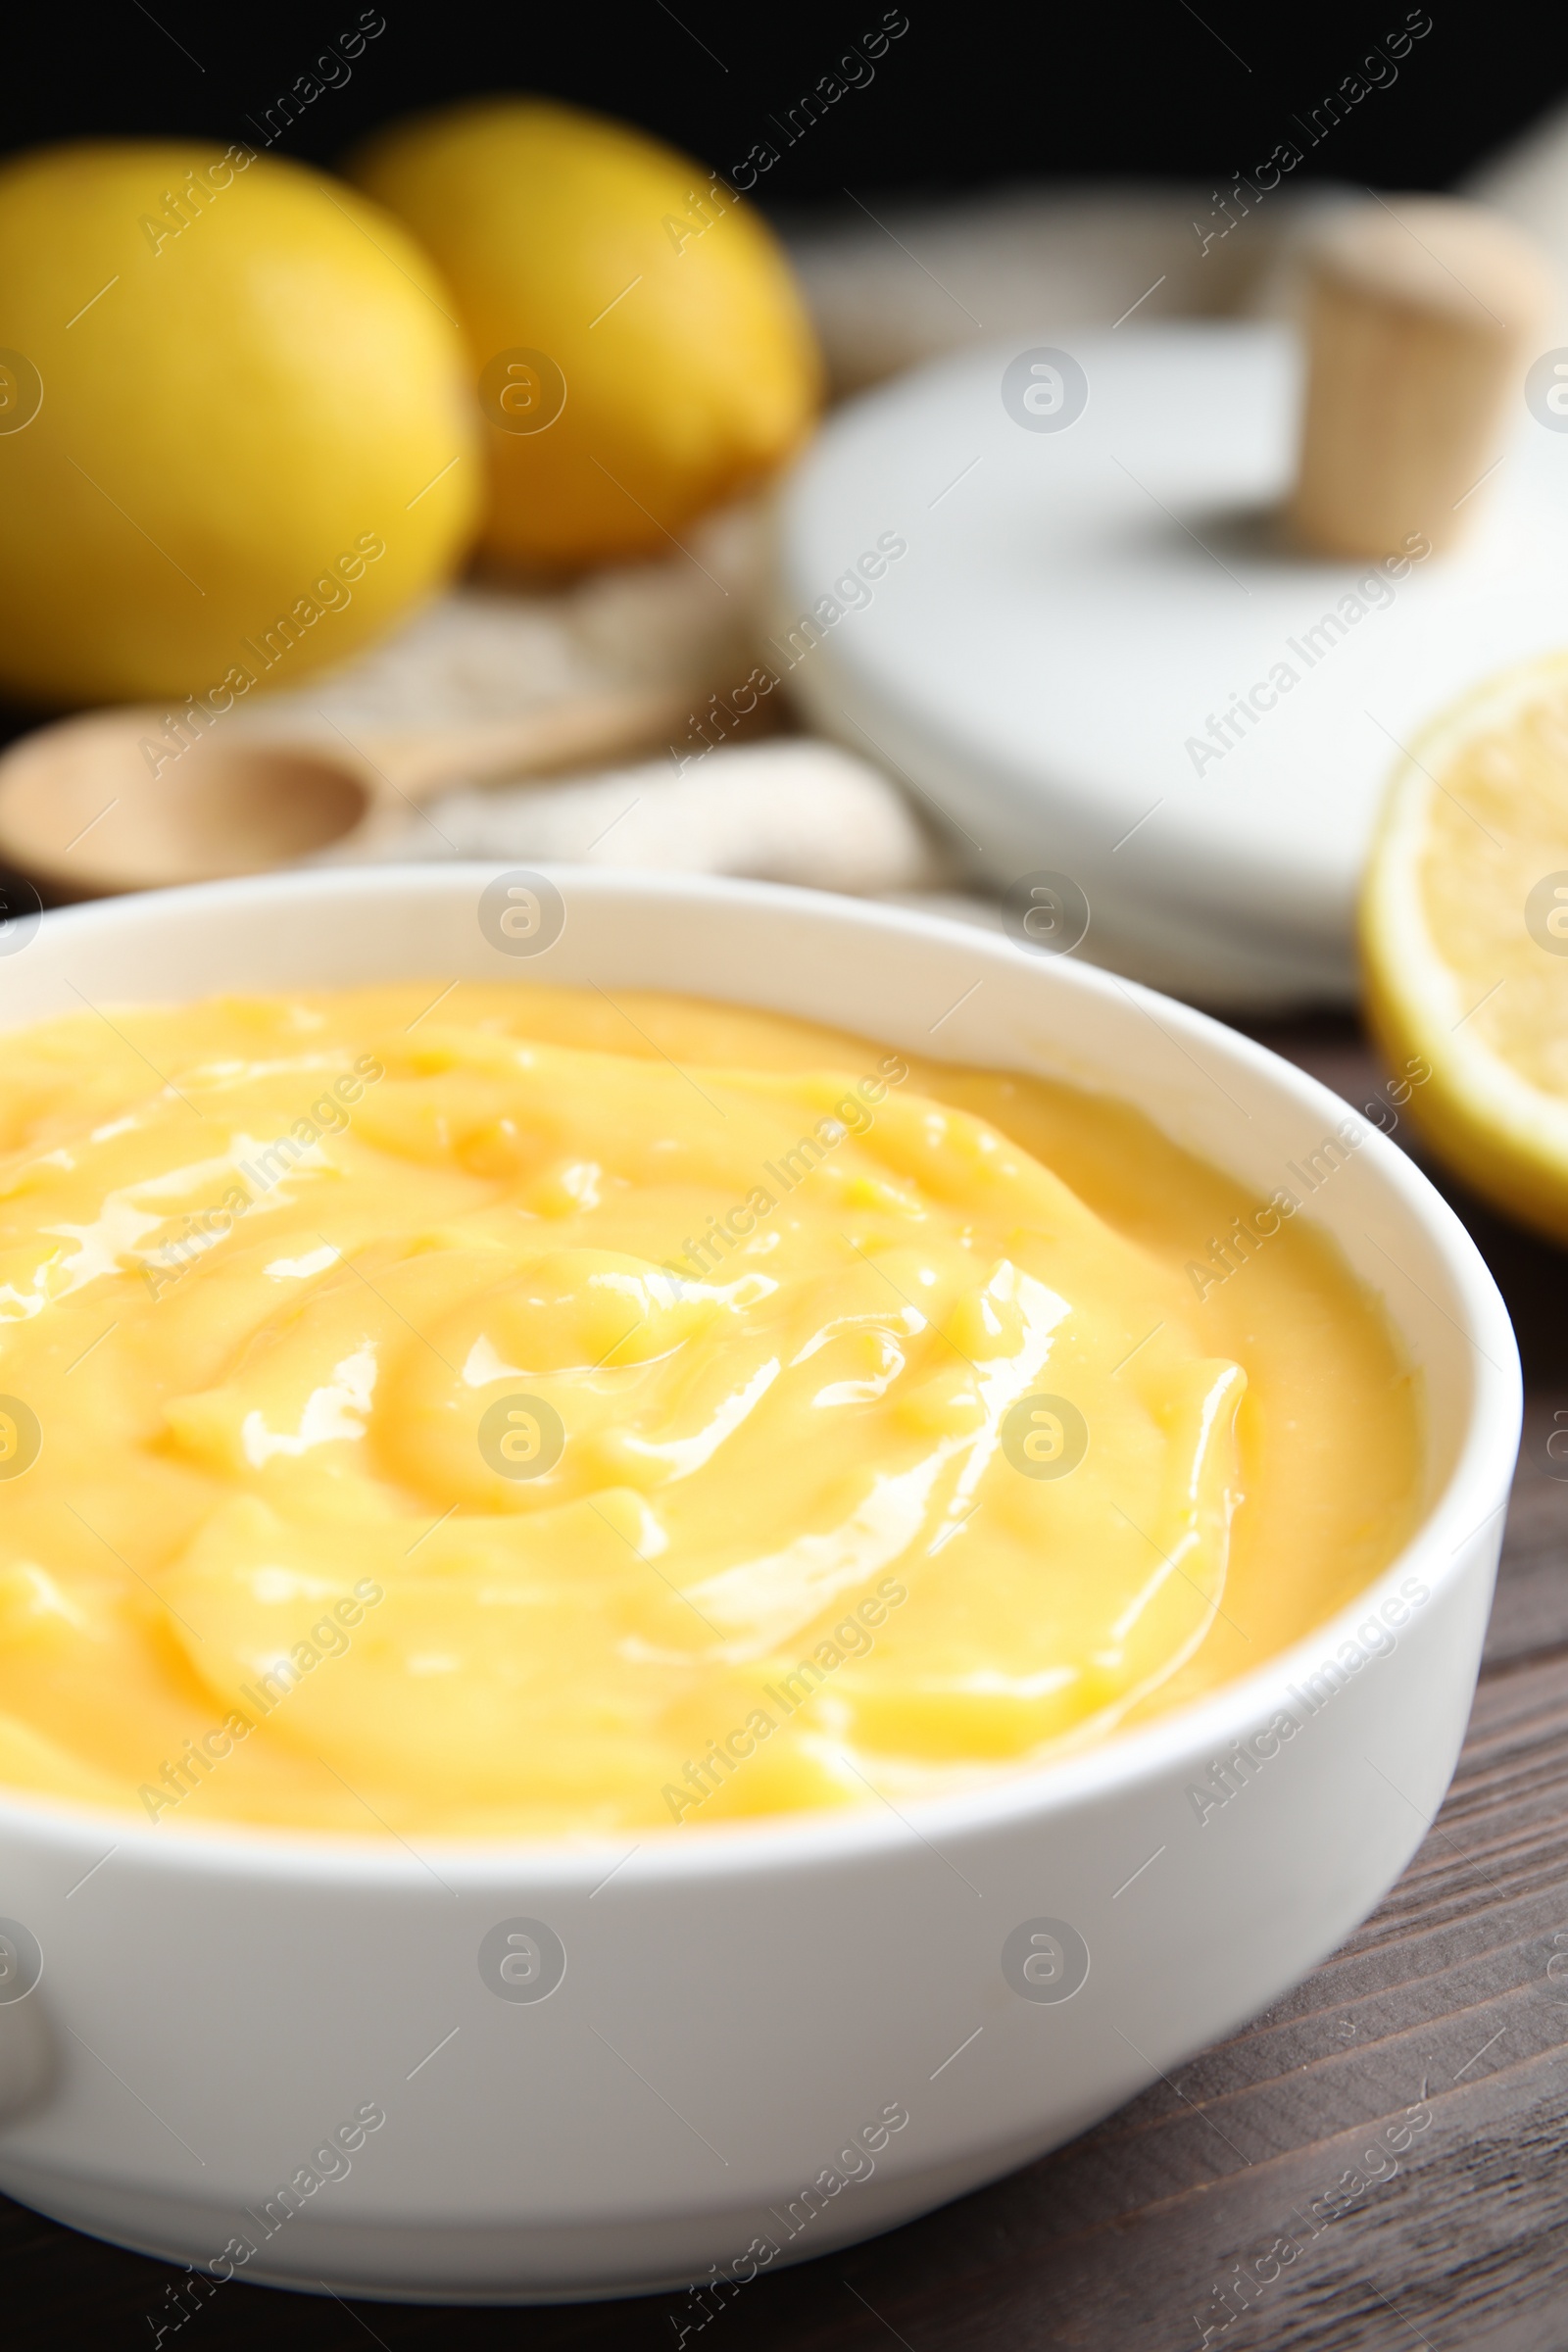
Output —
(542, 1415)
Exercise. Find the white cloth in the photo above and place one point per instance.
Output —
(1528, 182)
(788, 810)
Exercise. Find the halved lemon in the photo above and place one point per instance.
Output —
(1464, 938)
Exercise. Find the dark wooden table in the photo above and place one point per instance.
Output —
(1155, 2227)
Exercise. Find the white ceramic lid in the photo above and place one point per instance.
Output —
(1080, 603)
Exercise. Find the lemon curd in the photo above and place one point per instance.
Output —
(525, 1413)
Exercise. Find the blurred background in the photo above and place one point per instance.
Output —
(598, 418)
(966, 101)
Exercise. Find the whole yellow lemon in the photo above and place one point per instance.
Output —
(236, 438)
(639, 346)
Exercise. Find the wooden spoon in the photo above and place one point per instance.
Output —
(95, 804)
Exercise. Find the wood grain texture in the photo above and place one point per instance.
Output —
(1374, 2164)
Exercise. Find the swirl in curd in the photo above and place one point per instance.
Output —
(523, 1414)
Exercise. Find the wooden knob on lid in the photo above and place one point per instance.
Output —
(1422, 312)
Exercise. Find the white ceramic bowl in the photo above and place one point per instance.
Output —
(745, 2013)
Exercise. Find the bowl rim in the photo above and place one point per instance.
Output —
(1117, 1762)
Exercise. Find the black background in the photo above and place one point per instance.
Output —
(965, 98)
